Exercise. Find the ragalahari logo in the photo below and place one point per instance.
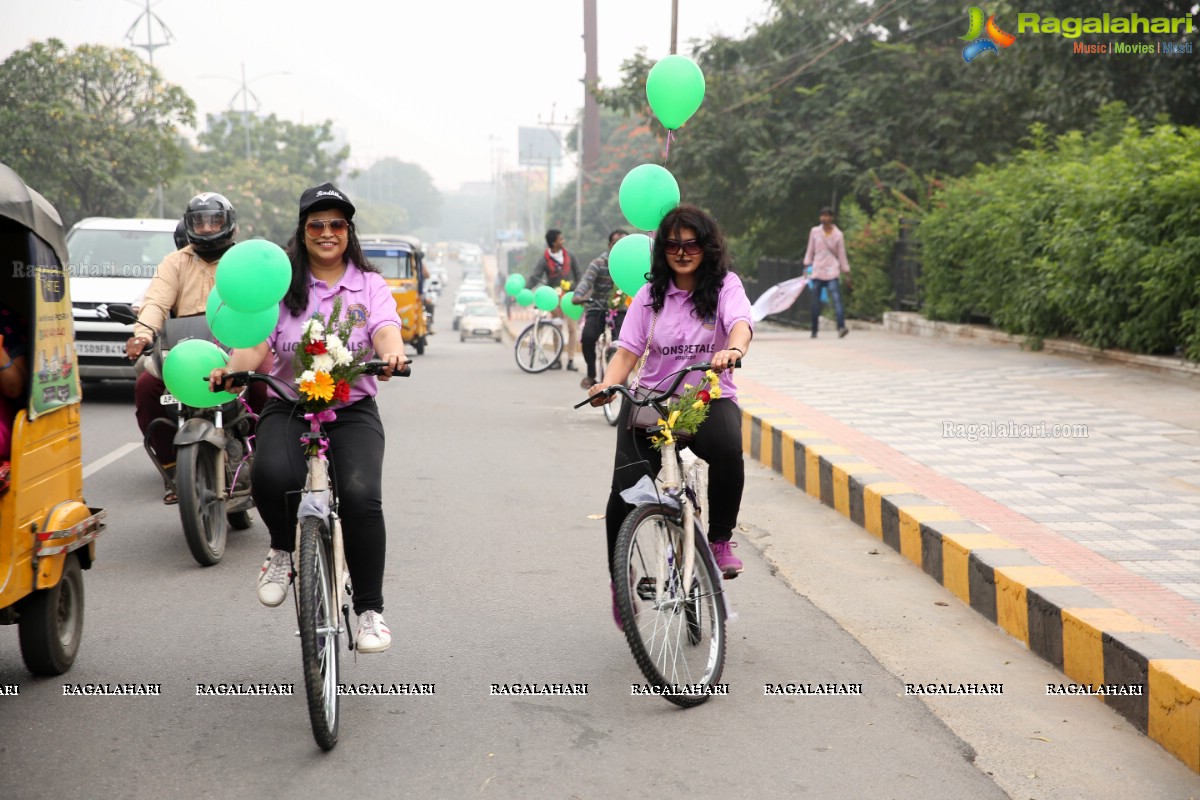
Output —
(983, 37)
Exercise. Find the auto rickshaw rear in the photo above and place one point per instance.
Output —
(401, 261)
(47, 531)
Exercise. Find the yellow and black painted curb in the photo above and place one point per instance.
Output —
(1092, 642)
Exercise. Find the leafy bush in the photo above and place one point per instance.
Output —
(1097, 237)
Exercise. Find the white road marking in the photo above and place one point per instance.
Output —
(101, 463)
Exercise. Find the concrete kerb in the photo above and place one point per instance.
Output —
(1069, 626)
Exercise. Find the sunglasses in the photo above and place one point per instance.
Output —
(316, 227)
(690, 247)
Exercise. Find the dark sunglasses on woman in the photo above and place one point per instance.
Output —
(689, 247)
(316, 227)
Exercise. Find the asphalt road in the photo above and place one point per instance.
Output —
(495, 574)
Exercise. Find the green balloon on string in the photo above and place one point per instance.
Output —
(675, 90)
(185, 371)
(254, 275)
(236, 328)
(647, 193)
(545, 298)
(569, 308)
(629, 262)
(525, 297)
(514, 284)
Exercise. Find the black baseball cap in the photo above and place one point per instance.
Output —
(319, 198)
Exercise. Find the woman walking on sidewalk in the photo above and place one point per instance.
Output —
(693, 309)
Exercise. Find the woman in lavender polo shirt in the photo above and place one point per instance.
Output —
(703, 314)
(327, 264)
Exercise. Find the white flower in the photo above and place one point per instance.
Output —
(307, 376)
(322, 362)
(313, 329)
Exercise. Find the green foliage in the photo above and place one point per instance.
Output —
(870, 242)
(397, 195)
(1097, 237)
(93, 129)
(278, 144)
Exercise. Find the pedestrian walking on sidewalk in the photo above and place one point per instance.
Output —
(693, 309)
(558, 270)
(826, 260)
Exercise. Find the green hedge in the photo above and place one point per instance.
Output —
(1096, 238)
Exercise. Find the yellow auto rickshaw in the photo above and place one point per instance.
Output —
(401, 259)
(47, 531)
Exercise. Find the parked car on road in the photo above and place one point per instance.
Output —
(480, 320)
(112, 261)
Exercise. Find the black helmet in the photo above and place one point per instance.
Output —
(210, 207)
(181, 240)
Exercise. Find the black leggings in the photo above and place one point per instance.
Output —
(593, 326)
(718, 441)
(356, 459)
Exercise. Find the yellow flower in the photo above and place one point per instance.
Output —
(565, 285)
(699, 403)
(715, 391)
(319, 388)
(671, 420)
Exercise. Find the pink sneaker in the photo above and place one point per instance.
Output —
(729, 564)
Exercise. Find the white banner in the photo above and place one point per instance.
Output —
(778, 298)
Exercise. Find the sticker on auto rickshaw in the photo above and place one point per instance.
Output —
(52, 379)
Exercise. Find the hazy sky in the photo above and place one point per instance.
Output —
(427, 81)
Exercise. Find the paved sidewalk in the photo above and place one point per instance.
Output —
(1058, 497)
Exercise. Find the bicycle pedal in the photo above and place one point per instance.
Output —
(645, 589)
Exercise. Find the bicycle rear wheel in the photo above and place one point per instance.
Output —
(319, 630)
(677, 636)
(604, 351)
(538, 346)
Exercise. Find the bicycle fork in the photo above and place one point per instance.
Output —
(670, 483)
(318, 484)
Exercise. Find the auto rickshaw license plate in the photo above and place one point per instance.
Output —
(167, 399)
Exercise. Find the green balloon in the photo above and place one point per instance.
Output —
(514, 284)
(525, 297)
(235, 328)
(545, 298)
(185, 368)
(675, 89)
(647, 193)
(629, 262)
(569, 308)
(254, 275)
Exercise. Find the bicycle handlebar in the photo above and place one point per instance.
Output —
(618, 388)
(288, 390)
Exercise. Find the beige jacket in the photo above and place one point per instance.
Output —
(180, 286)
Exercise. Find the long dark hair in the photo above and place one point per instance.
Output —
(714, 261)
(296, 298)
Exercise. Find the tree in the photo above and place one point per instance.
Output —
(399, 186)
(93, 129)
(286, 158)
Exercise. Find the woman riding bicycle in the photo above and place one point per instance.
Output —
(327, 264)
(692, 309)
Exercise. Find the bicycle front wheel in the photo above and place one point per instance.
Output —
(538, 346)
(319, 630)
(677, 634)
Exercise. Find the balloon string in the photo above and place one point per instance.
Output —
(667, 151)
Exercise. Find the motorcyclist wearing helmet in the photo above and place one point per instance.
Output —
(180, 288)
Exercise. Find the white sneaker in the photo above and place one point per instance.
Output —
(373, 634)
(274, 577)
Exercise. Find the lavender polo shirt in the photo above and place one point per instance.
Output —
(366, 299)
(680, 338)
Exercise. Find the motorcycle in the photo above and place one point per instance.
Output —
(214, 450)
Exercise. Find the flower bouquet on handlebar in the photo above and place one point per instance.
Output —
(686, 413)
(326, 369)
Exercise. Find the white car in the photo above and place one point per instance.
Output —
(112, 261)
(465, 298)
(480, 321)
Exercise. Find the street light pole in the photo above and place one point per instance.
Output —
(246, 110)
(674, 24)
(150, 46)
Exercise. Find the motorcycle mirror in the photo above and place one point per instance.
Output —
(119, 312)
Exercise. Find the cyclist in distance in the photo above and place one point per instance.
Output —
(693, 309)
(595, 290)
(327, 264)
(180, 288)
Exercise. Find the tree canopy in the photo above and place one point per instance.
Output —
(91, 128)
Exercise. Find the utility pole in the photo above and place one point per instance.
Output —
(674, 24)
(590, 148)
(246, 94)
(150, 46)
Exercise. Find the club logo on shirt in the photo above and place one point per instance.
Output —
(710, 322)
(357, 313)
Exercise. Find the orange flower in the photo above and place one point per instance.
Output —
(319, 388)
